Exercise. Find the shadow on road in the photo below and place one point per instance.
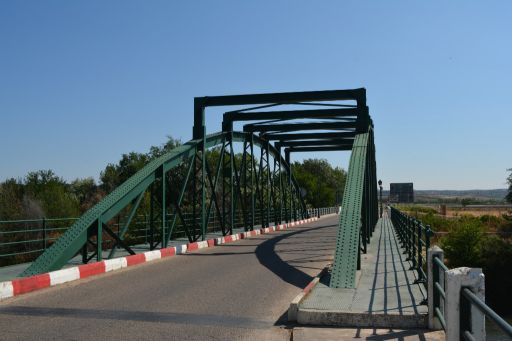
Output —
(269, 258)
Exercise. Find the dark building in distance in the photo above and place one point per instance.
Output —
(401, 192)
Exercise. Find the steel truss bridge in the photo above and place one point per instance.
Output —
(207, 177)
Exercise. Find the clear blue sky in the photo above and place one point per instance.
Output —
(82, 82)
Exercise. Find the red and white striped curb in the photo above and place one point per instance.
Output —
(27, 284)
(294, 305)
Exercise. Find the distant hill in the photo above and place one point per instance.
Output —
(479, 195)
(497, 194)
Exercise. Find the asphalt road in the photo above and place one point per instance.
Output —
(235, 291)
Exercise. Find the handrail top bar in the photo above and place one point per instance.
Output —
(487, 311)
(34, 220)
(438, 261)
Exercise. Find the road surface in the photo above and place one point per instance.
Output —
(236, 291)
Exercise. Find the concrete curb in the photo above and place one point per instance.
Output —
(25, 285)
(294, 305)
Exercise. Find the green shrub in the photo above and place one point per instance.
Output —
(462, 244)
(496, 263)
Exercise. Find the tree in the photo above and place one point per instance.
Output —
(509, 181)
(462, 244)
(86, 192)
(11, 199)
(115, 174)
(45, 190)
(320, 180)
(466, 201)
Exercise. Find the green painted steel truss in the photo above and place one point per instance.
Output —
(359, 212)
(237, 179)
(253, 182)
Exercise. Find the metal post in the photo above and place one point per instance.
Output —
(420, 256)
(44, 233)
(380, 186)
(84, 253)
(269, 184)
(413, 243)
(99, 241)
(164, 209)
(151, 215)
(433, 276)
(290, 192)
(253, 191)
(231, 183)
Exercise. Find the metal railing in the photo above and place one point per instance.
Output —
(439, 290)
(415, 239)
(469, 299)
(22, 241)
(443, 289)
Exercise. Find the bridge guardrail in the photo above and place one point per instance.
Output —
(457, 301)
(456, 297)
(415, 239)
(23, 240)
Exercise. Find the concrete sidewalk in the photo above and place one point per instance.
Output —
(345, 334)
(385, 294)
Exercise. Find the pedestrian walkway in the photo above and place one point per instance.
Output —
(386, 293)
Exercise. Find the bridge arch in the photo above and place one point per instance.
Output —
(262, 186)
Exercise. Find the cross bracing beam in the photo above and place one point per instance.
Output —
(358, 95)
(232, 116)
(302, 143)
(319, 149)
(299, 126)
(304, 136)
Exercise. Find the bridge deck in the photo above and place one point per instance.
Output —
(235, 291)
(385, 295)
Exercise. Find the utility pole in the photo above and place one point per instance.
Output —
(380, 186)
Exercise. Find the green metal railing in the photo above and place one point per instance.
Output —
(439, 290)
(468, 299)
(26, 239)
(23, 241)
(415, 239)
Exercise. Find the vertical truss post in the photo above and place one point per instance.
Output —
(231, 182)
(151, 216)
(281, 192)
(275, 194)
(262, 188)
(253, 191)
(84, 253)
(243, 182)
(99, 241)
(164, 207)
(289, 186)
(267, 180)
